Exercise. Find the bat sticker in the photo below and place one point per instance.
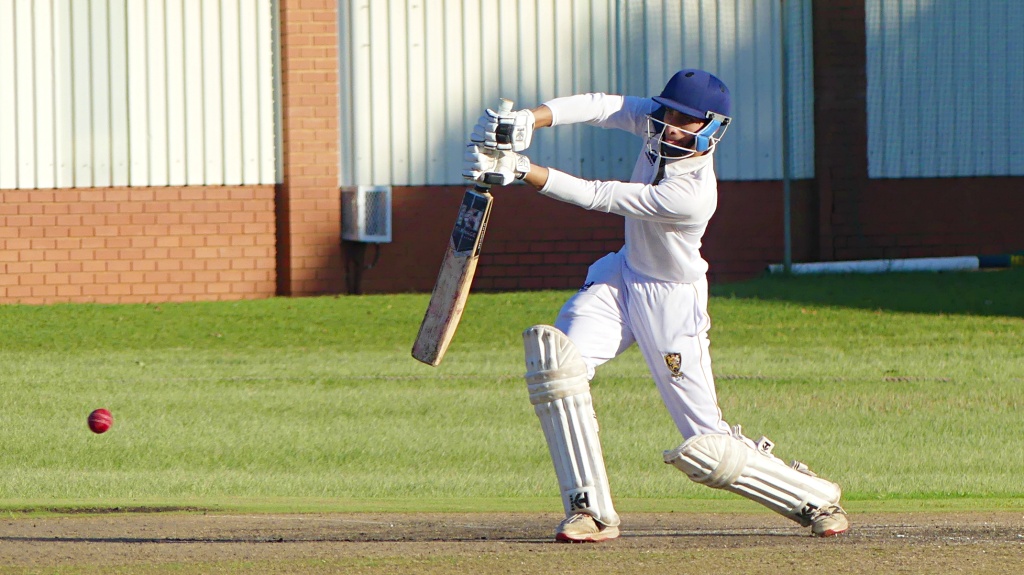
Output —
(469, 223)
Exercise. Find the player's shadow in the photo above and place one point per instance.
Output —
(981, 293)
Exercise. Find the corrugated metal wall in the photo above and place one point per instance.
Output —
(100, 93)
(416, 74)
(945, 86)
(180, 92)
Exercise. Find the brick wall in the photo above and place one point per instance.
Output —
(840, 114)
(129, 245)
(533, 242)
(932, 217)
(309, 202)
(747, 233)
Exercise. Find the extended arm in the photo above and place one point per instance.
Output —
(541, 116)
(503, 132)
(513, 131)
(537, 176)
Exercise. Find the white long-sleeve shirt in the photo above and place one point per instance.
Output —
(665, 221)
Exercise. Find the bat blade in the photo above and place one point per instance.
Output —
(448, 299)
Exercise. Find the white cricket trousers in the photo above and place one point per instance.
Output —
(668, 321)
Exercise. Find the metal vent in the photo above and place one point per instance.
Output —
(366, 214)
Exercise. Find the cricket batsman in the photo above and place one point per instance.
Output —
(652, 292)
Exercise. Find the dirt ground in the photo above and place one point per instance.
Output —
(676, 543)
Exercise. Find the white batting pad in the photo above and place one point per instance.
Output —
(556, 377)
(725, 462)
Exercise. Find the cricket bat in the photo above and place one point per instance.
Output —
(448, 300)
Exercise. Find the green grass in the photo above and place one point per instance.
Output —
(901, 387)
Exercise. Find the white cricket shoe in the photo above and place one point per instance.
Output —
(582, 528)
(829, 521)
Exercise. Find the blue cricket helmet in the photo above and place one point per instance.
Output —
(695, 93)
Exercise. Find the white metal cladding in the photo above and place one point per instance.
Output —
(97, 93)
(945, 81)
(416, 74)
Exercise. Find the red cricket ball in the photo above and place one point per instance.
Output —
(100, 420)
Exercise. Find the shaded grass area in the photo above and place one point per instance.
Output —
(985, 293)
(900, 388)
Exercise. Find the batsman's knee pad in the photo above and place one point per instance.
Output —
(726, 462)
(556, 378)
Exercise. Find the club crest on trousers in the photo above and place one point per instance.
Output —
(674, 361)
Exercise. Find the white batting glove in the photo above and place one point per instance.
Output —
(492, 167)
(504, 131)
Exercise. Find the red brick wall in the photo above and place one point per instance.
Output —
(747, 233)
(840, 113)
(932, 217)
(533, 242)
(308, 201)
(124, 245)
